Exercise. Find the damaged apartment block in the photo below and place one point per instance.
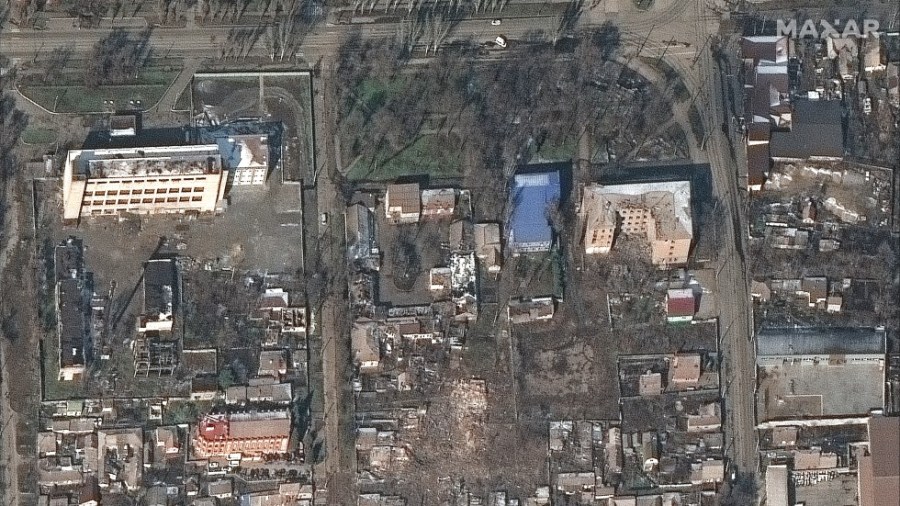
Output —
(155, 347)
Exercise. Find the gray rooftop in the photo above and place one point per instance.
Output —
(816, 132)
(820, 341)
(159, 286)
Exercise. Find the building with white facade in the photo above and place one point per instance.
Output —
(169, 179)
(658, 212)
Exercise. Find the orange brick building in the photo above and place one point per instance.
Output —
(252, 434)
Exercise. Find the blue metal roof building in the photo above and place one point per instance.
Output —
(533, 194)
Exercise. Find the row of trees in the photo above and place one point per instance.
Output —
(117, 58)
(535, 95)
(476, 6)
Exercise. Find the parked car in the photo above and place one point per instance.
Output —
(495, 22)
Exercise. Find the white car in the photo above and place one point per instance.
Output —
(501, 41)
(495, 22)
(323, 219)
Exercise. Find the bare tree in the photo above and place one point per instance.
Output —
(57, 60)
(117, 58)
(88, 12)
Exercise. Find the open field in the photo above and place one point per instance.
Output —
(38, 136)
(437, 156)
(68, 94)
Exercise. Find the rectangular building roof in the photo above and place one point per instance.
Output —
(404, 196)
(777, 342)
(159, 286)
(72, 323)
(777, 485)
(360, 235)
(758, 162)
(532, 196)
(438, 201)
(816, 131)
(259, 424)
(766, 48)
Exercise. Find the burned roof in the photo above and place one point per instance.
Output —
(244, 151)
(72, 323)
(147, 161)
(771, 341)
(159, 286)
(69, 258)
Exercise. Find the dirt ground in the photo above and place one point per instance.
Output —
(427, 237)
(261, 231)
(508, 454)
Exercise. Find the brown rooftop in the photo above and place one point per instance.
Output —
(879, 471)
(404, 196)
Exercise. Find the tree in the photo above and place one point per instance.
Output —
(568, 20)
(608, 39)
(117, 58)
(88, 12)
(226, 378)
(55, 63)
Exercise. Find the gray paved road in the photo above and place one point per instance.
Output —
(733, 285)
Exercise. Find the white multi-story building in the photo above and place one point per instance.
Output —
(170, 179)
(246, 157)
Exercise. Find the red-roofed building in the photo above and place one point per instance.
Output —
(680, 305)
(251, 434)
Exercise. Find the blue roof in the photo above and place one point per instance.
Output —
(532, 195)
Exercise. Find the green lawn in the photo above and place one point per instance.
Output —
(373, 93)
(53, 388)
(436, 156)
(38, 136)
(69, 95)
(556, 152)
(80, 99)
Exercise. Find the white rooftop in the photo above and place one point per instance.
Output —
(680, 191)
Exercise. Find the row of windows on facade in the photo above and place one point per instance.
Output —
(149, 191)
(158, 200)
(153, 180)
(249, 444)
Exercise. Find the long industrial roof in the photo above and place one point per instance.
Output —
(819, 341)
(147, 161)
